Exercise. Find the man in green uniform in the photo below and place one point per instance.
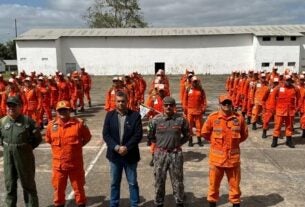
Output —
(19, 136)
(169, 131)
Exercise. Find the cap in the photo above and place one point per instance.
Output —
(302, 77)
(63, 105)
(60, 73)
(224, 97)
(27, 79)
(14, 100)
(194, 78)
(263, 75)
(275, 80)
(40, 78)
(11, 80)
(169, 100)
(161, 87)
(115, 78)
(287, 77)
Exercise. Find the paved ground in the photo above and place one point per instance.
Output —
(270, 177)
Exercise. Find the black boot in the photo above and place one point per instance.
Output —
(274, 142)
(264, 135)
(152, 161)
(60, 206)
(236, 205)
(90, 104)
(212, 204)
(254, 126)
(159, 205)
(82, 109)
(82, 205)
(303, 133)
(289, 142)
(191, 142)
(179, 205)
(200, 143)
(248, 120)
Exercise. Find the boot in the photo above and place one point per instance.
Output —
(82, 109)
(179, 205)
(289, 142)
(82, 205)
(90, 104)
(248, 120)
(212, 204)
(254, 126)
(200, 143)
(191, 142)
(264, 135)
(236, 205)
(59, 206)
(159, 205)
(75, 112)
(274, 142)
(152, 161)
(303, 133)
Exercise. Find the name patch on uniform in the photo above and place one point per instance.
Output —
(19, 124)
(191, 91)
(258, 85)
(156, 101)
(7, 126)
(55, 128)
(282, 89)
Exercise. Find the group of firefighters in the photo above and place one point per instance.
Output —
(40, 93)
(265, 96)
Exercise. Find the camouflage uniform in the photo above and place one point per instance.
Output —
(166, 133)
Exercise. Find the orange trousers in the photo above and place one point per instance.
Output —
(74, 101)
(195, 122)
(256, 111)
(47, 110)
(302, 121)
(87, 92)
(59, 182)
(215, 176)
(267, 116)
(244, 105)
(278, 122)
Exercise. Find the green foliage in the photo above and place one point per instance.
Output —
(8, 50)
(115, 14)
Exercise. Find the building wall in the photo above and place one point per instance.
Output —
(276, 52)
(122, 55)
(37, 55)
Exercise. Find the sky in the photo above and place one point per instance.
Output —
(157, 13)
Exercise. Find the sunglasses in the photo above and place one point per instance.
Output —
(62, 110)
(169, 105)
(12, 105)
(226, 103)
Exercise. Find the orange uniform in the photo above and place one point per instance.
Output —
(86, 80)
(32, 100)
(67, 140)
(195, 105)
(77, 93)
(285, 102)
(63, 90)
(44, 103)
(260, 96)
(225, 132)
(268, 109)
(110, 97)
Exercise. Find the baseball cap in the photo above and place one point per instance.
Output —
(275, 80)
(169, 100)
(14, 100)
(194, 78)
(63, 105)
(224, 97)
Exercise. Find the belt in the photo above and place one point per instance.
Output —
(169, 150)
(15, 145)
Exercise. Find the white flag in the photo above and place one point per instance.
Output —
(143, 110)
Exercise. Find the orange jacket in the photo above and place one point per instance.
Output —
(302, 97)
(110, 97)
(195, 101)
(269, 103)
(286, 100)
(225, 134)
(86, 80)
(154, 101)
(44, 96)
(261, 93)
(67, 140)
(32, 98)
(63, 91)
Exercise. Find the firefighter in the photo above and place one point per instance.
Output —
(225, 129)
(286, 99)
(32, 99)
(67, 136)
(87, 82)
(44, 104)
(195, 104)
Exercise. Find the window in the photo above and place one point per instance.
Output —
(293, 38)
(266, 38)
(265, 64)
(280, 38)
(278, 64)
(44, 59)
(22, 59)
(291, 64)
(70, 67)
(159, 66)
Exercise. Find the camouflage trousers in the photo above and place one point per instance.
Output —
(173, 163)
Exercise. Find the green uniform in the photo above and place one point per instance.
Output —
(19, 137)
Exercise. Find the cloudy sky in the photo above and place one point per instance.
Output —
(158, 13)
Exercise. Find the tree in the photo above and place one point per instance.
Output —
(115, 13)
(8, 50)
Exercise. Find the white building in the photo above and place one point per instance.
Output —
(214, 50)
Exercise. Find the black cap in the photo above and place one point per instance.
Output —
(169, 100)
(14, 99)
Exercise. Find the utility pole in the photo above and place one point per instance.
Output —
(16, 28)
